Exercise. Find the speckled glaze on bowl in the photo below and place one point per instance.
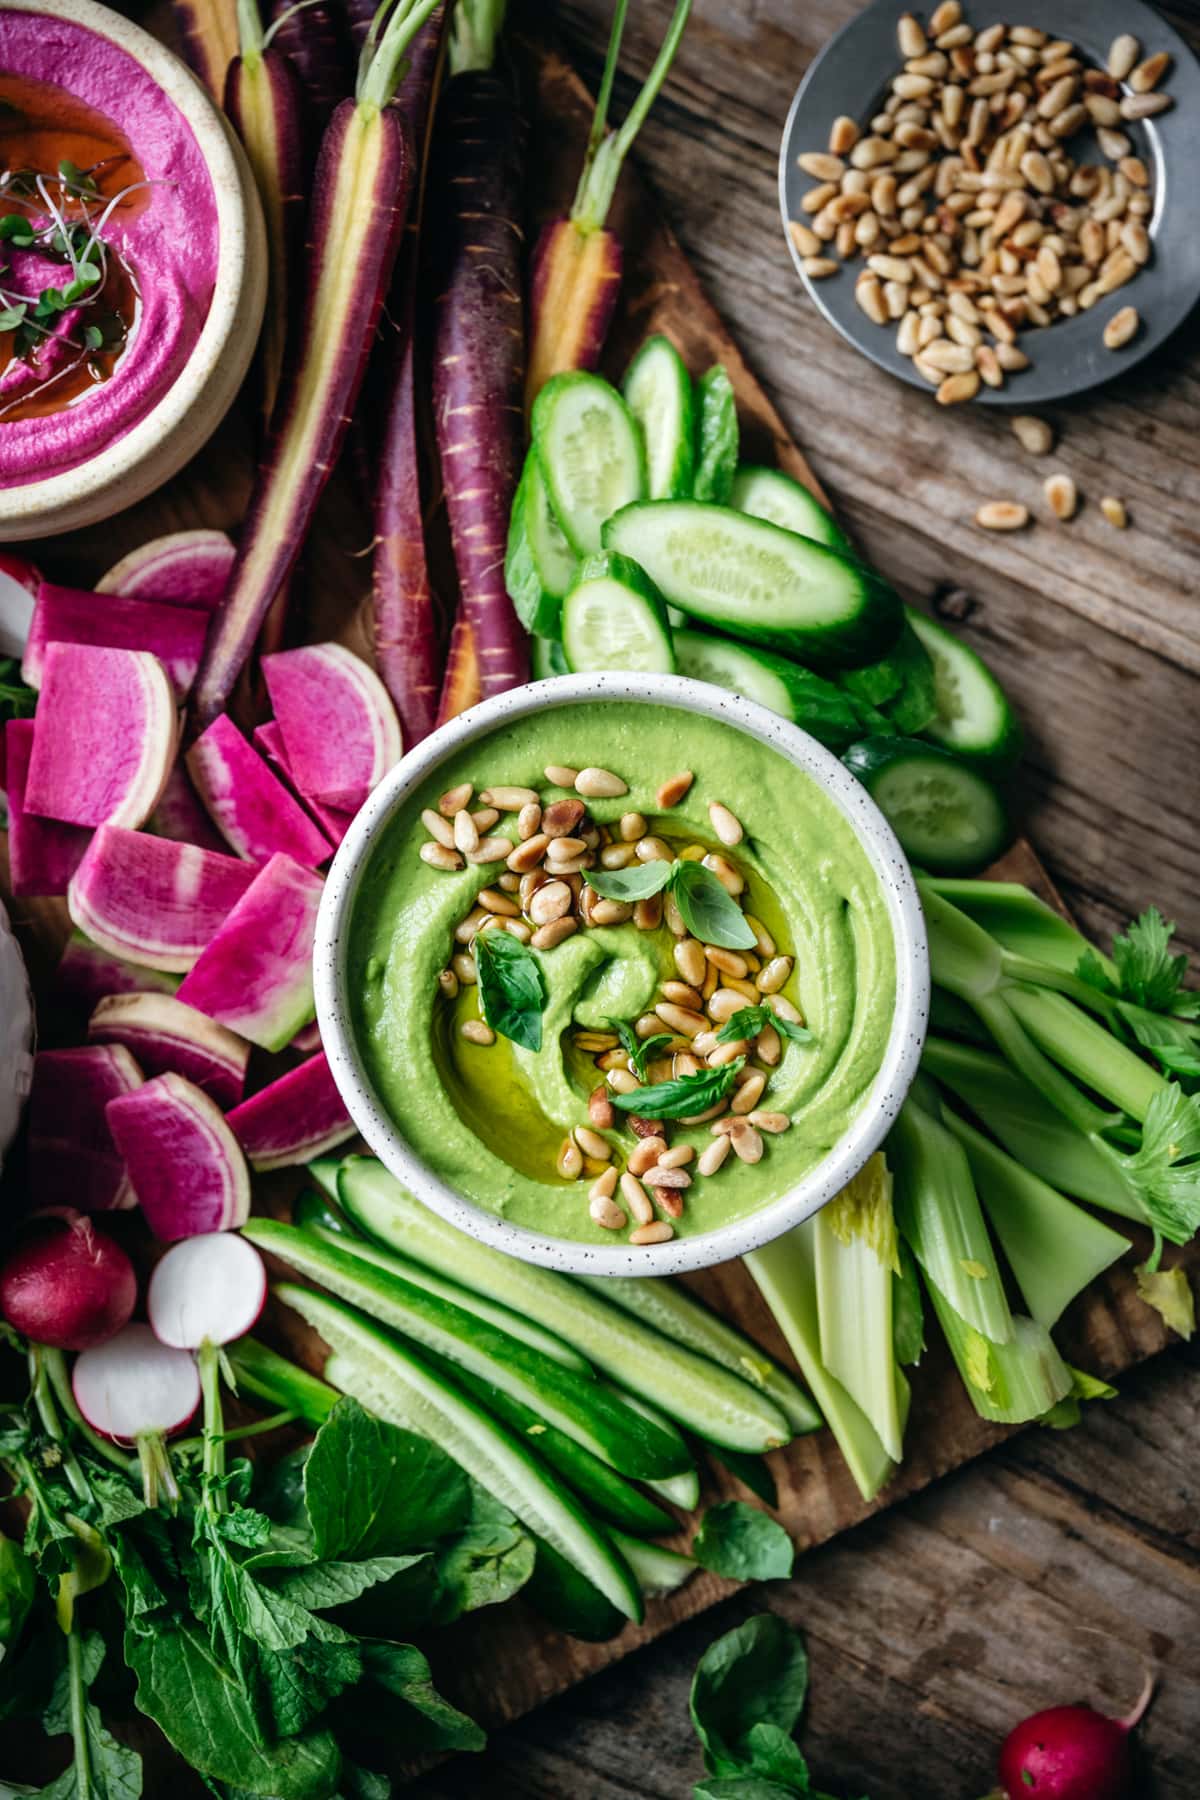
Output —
(190, 410)
(904, 1043)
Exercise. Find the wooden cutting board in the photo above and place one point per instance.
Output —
(500, 1664)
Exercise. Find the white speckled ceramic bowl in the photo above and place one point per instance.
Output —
(820, 1184)
(192, 407)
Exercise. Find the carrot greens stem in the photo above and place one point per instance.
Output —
(606, 151)
(474, 27)
(382, 64)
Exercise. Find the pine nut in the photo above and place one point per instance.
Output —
(551, 901)
(661, 1176)
(910, 37)
(605, 1184)
(592, 1144)
(727, 961)
(508, 799)
(496, 902)
(773, 1122)
(725, 873)
(957, 388)
(727, 1053)
(804, 238)
(1122, 56)
(604, 1211)
(570, 1160)
(1135, 241)
(490, 850)
(438, 857)
(448, 983)
(454, 799)
(1145, 106)
(681, 1019)
(690, 961)
(768, 1046)
(547, 936)
(1114, 511)
(1148, 74)
(636, 1198)
(1010, 358)
(659, 1232)
(676, 1157)
(673, 789)
(1033, 434)
(1002, 515)
(645, 1154)
(560, 775)
(988, 365)
(622, 1081)
(647, 914)
(673, 917)
(611, 912)
(774, 975)
(843, 135)
(1062, 496)
(653, 849)
(1134, 170)
(764, 943)
(466, 833)
(747, 1144)
(724, 1003)
(464, 967)
(681, 993)
(749, 1093)
(949, 358)
(822, 165)
(713, 1155)
(1121, 328)
(526, 855)
(476, 1032)
(440, 829)
(599, 784)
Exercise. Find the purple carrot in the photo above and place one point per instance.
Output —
(479, 333)
(576, 269)
(359, 15)
(360, 200)
(460, 689)
(317, 44)
(262, 97)
(208, 29)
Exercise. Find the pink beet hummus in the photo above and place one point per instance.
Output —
(164, 239)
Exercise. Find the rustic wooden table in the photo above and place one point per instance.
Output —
(1061, 1565)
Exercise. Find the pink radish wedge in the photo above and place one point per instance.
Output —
(105, 737)
(167, 1037)
(137, 1391)
(189, 567)
(256, 974)
(180, 814)
(206, 1290)
(340, 730)
(153, 901)
(268, 741)
(307, 1039)
(174, 634)
(298, 1117)
(86, 973)
(19, 583)
(66, 1284)
(73, 1159)
(360, 191)
(183, 1160)
(256, 814)
(42, 853)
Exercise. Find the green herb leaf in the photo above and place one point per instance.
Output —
(485, 1563)
(752, 1471)
(708, 910)
(1166, 1168)
(1150, 976)
(328, 1584)
(17, 1586)
(115, 1771)
(744, 1787)
(683, 1097)
(638, 882)
(512, 988)
(755, 1674)
(371, 1489)
(748, 1021)
(743, 1544)
(413, 1711)
(639, 1050)
(11, 317)
(17, 230)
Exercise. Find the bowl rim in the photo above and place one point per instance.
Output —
(804, 1198)
(216, 365)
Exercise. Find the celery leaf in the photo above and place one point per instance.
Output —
(1166, 1168)
(1169, 1292)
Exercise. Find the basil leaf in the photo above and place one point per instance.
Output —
(681, 1098)
(708, 910)
(639, 1050)
(748, 1021)
(638, 882)
(743, 1544)
(755, 1674)
(512, 988)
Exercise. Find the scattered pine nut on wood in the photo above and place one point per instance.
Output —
(1002, 515)
(1033, 434)
(1114, 511)
(1062, 496)
(1121, 328)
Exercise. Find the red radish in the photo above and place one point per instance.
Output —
(86, 973)
(105, 737)
(317, 44)
(577, 262)
(1072, 1753)
(268, 741)
(461, 687)
(189, 567)
(73, 1160)
(255, 812)
(67, 1284)
(180, 814)
(209, 32)
(175, 634)
(256, 974)
(167, 1037)
(360, 200)
(206, 1290)
(298, 1117)
(184, 1162)
(135, 1390)
(340, 730)
(19, 583)
(262, 97)
(42, 853)
(151, 900)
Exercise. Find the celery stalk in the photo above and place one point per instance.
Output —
(1008, 1383)
(1053, 1247)
(1086, 1050)
(1019, 921)
(857, 1258)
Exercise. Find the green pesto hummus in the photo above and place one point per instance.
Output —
(491, 1119)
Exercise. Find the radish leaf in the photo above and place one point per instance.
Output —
(743, 1544)
(371, 1489)
(756, 1674)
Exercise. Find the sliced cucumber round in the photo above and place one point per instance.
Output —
(540, 565)
(974, 715)
(614, 618)
(947, 816)
(759, 582)
(771, 495)
(546, 659)
(794, 693)
(716, 437)
(590, 452)
(658, 392)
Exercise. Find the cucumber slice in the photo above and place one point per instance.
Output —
(948, 817)
(313, 1210)
(590, 452)
(974, 716)
(716, 437)
(540, 565)
(794, 693)
(681, 1490)
(898, 693)
(759, 582)
(546, 659)
(614, 619)
(692, 1390)
(771, 495)
(658, 1570)
(381, 1373)
(324, 1171)
(567, 1600)
(658, 392)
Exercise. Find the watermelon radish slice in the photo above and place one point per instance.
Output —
(73, 1159)
(19, 583)
(87, 973)
(268, 741)
(166, 1036)
(180, 814)
(298, 1117)
(175, 634)
(254, 811)
(153, 901)
(105, 737)
(256, 974)
(340, 731)
(42, 854)
(190, 568)
(206, 1290)
(307, 1039)
(183, 1160)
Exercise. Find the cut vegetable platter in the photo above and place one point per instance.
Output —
(514, 1661)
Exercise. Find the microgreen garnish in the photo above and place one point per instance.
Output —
(512, 988)
(707, 909)
(683, 1097)
(639, 1050)
(748, 1021)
